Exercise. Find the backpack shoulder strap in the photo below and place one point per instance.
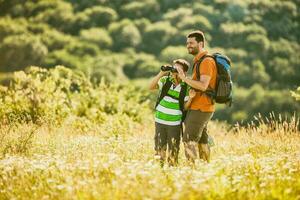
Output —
(164, 90)
(182, 95)
(198, 63)
(209, 93)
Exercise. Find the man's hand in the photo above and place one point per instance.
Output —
(181, 74)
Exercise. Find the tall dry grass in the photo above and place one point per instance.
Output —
(261, 161)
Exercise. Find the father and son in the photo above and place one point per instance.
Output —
(183, 100)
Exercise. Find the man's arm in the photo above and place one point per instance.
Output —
(202, 84)
(154, 82)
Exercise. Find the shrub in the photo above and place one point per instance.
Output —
(59, 94)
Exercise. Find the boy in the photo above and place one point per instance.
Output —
(169, 110)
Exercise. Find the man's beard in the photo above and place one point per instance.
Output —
(193, 51)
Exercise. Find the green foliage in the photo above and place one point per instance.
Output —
(66, 58)
(136, 9)
(19, 51)
(248, 103)
(96, 16)
(59, 95)
(53, 39)
(281, 12)
(162, 30)
(9, 27)
(296, 94)
(176, 16)
(107, 66)
(174, 52)
(141, 65)
(171, 4)
(257, 42)
(125, 34)
(194, 23)
(97, 36)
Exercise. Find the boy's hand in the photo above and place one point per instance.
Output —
(163, 73)
(192, 93)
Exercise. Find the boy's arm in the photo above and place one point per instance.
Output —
(154, 82)
(192, 94)
(187, 104)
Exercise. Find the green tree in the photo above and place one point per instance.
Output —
(58, 14)
(176, 16)
(137, 9)
(20, 51)
(54, 39)
(142, 24)
(125, 34)
(141, 65)
(194, 22)
(174, 52)
(96, 16)
(64, 57)
(107, 66)
(283, 63)
(9, 27)
(233, 34)
(156, 37)
(97, 36)
(171, 4)
(284, 13)
(296, 94)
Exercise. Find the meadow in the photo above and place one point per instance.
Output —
(42, 162)
(62, 137)
(79, 124)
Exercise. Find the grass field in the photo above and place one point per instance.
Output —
(60, 163)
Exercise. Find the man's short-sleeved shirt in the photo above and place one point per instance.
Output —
(207, 67)
(168, 110)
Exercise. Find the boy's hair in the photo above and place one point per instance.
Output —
(198, 35)
(185, 64)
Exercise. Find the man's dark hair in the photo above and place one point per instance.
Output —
(185, 64)
(198, 35)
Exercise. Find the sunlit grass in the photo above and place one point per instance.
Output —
(58, 163)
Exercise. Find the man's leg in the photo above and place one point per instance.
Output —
(195, 123)
(160, 140)
(204, 150)
(190, 150)
(173, 144)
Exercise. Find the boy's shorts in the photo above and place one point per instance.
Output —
(167, 136)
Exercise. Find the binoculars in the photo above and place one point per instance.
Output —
(168, 68)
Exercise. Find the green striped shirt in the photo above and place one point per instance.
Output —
(168, 110)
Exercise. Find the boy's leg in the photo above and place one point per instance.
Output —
(173, 144)
(160, 140)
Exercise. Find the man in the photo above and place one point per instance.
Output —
(202, 107)
(169, 111)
